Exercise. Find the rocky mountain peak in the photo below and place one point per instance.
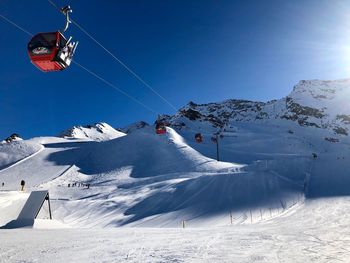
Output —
(312, 103)
(12, 138)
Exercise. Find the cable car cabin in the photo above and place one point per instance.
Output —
(51, 51)
(160, 128)
(198, 137)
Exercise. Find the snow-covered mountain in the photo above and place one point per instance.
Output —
(98, 132)
(314, 103)
(312, 122)
(134, 126)
(12, 138)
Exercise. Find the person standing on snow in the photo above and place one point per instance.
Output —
(22, 185)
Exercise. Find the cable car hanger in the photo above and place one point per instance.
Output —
(66, 10)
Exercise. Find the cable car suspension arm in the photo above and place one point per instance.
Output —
(66, 10)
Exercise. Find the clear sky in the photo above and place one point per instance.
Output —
(204, 51)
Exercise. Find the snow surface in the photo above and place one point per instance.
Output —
(317, 232)
(126, 176)
(330, 95)
(13, 152)
(144, 179)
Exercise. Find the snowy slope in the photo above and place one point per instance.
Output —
(145, 179)
(12, 138)
(37, 168)
(13, 152)
(98, 132)
(313, 120)
(273, 156)
(11, 204)
(134, 126)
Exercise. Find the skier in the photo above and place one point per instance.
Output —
(22, 185)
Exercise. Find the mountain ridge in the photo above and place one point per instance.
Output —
(311, 103)
(100, 131)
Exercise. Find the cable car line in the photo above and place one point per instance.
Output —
(14, 24)
(117, 59)
(87, 70)
(114, 86)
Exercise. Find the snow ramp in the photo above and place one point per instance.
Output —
(30, 210)
(33, 205)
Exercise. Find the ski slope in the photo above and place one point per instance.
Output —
(144, 179)
(11, 153)
(37, 168)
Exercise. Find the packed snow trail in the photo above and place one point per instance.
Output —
(12, 164)
(38, 168)
(17, 151)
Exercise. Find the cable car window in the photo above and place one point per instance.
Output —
(47, 40)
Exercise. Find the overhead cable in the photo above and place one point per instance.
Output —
(87, 70)
(133, 73)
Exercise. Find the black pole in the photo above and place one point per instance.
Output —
(217, 147)
(48, 200)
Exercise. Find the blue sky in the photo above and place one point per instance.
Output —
(204, 51)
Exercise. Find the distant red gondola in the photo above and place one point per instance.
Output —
(160, 128)
(198, 137)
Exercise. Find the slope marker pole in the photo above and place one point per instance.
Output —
(217, 148)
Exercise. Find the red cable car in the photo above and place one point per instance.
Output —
(160, 128)
(52, 51)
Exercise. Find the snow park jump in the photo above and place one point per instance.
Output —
(179, 131)
(30, 210)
